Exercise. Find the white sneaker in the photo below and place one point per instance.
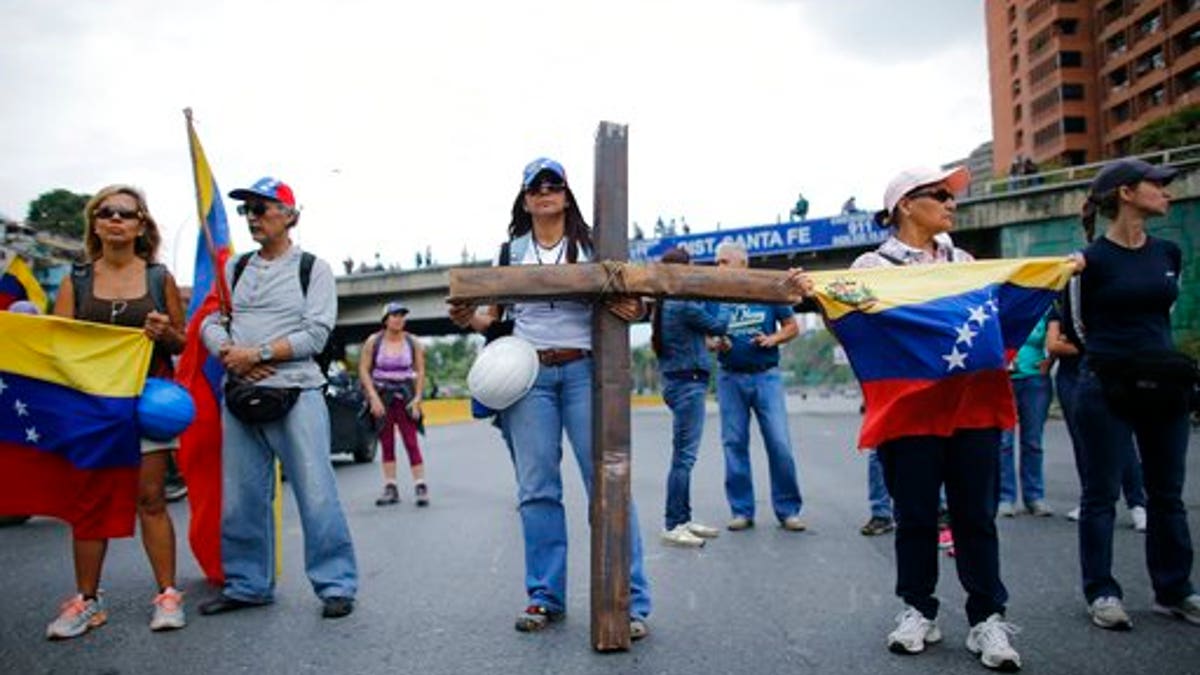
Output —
(989, 641)
(1006, 510)
(1073, 514)
(168, 611)
(1138, 514)
(680, 536)
(913, 633)
(1187, 609)
(703, 531)
(1108, 612)
(76, 617)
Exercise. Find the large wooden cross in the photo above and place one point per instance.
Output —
(612, 276)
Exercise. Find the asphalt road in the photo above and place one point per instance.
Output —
(440, 586)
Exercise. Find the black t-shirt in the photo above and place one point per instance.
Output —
(1127, 296)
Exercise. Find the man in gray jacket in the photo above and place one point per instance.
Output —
(283, 309)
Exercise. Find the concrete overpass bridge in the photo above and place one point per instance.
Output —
(1035, 221)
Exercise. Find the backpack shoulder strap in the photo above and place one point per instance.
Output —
(81, 283)
(156, 283)
(306, 264)
(375, 347)
(505, 254)
(239, 266)
(889, 257)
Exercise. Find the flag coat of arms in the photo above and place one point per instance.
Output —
(930, 344)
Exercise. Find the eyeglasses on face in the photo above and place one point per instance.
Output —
(256, 209)
(110, 213)
(546, 187)
(942, 195)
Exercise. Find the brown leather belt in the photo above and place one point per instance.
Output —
(561, 357)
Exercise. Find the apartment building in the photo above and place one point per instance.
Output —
(1073, 80)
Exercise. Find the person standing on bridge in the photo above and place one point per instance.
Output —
(748, 379)
(919, 207)
(1133, 385)
(275, 328)
(547, 228)
(392, 372)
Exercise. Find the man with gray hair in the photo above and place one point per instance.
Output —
(749, 379)
(283, 308)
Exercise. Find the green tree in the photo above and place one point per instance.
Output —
(1173, 131)
(58, 212)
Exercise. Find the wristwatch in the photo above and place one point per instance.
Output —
(265, 353)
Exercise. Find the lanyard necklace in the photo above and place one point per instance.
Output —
(537, 248)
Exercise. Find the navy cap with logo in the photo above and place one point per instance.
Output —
(1129, 172)
(394, 307)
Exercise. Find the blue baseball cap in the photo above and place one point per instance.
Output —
(539, 165)
(1129, 172)
(266, 188)
(394, 307)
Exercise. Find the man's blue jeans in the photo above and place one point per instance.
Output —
(1107, 437)
(738, 394)
(301, 441)
(685, 398)
(877, 492)
(1033, 406)
(561, 399)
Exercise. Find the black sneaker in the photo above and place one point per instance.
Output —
(390, 495)
(337, 607)
(877, 525)
(422, 495)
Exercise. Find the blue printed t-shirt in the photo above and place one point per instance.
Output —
(746, 320)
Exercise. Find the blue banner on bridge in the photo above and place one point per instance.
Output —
(763, 240)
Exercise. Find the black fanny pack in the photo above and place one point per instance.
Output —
(1158, 383)
(255, 404)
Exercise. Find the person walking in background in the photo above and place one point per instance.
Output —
(1030, 373)
(392, 372)
(748, 379)
(878, 499)
(122, 284)
(1133, 385)
(547, 228)
(267, 343)
(678, 339)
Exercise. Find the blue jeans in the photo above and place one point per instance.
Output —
(738, 394)
(877, 492)
(301, 442)
(1065, 383)
(1033, 406)
(685, 398)
(561, 399)
(1107, 438)
(968, 464)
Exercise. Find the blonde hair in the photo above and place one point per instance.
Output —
(147, 243)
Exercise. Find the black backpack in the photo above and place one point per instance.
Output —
(325, 356)
(156, 276)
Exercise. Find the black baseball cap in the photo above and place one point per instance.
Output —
(1129, 172)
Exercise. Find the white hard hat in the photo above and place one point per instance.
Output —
(503, 372)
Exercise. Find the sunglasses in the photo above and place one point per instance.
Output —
(942, 195)
(109, 213)
(546, 186)
(257, 209)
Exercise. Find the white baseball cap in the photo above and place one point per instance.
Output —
(906, 181)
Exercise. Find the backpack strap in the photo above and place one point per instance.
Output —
(889, 257)
(239, 266)
(505, 254)
(306, 264)
(81, 283)
(156, 283)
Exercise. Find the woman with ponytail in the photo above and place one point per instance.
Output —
(1132, 386)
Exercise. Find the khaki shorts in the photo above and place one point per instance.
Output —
(149, 446)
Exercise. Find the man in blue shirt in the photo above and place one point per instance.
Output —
(749, 379)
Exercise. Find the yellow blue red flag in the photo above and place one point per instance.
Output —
(69, 441)
(18, 283)
(930, 344)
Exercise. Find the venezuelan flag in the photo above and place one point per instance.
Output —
(17, 283)
(930, 344)
(69, 442)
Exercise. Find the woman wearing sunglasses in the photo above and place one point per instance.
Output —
(1132, 385)
(919, 210)
(547, 228)
(121, 284)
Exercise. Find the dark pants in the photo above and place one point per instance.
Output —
(1162, 441)
(968, 463)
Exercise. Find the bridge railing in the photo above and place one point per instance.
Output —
(1181, 156)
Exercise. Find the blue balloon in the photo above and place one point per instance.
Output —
(164, 409)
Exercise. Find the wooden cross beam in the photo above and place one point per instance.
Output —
(612, 276)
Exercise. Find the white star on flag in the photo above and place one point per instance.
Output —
(993, 305)
(978, 314)
(965, 334)
(21, 408)
(3, 386)
(31, 435)
(955, 359)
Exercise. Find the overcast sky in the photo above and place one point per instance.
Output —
(402, 125)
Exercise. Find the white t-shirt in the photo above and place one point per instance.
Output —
(561, 324)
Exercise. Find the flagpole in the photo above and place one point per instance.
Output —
(218, 273)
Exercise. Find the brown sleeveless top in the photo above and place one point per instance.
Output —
(130, 313)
